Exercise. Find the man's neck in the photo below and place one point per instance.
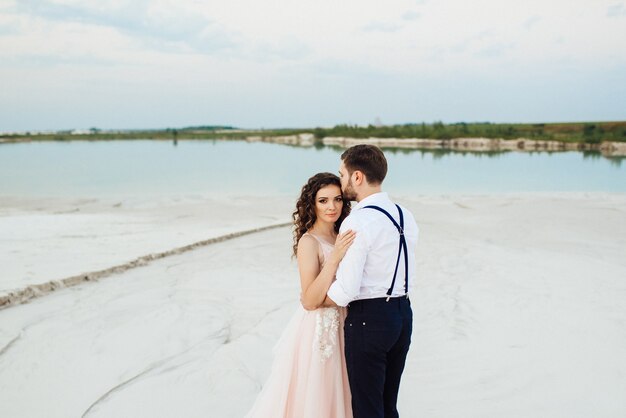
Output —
(368, 192)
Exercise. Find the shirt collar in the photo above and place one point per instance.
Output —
(371, 199)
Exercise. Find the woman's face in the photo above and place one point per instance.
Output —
(328, 203)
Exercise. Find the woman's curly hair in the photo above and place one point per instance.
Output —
(304, 216)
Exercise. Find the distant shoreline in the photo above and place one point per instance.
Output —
(306, 139)
(609, 149)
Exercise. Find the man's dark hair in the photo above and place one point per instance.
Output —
(368, 159)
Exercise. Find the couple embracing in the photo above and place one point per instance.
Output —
(343, 353)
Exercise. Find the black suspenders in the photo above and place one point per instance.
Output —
(402, 247)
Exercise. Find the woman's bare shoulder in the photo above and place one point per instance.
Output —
(307, 240)
(307, 245)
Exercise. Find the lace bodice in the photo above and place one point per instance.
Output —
(326, 319)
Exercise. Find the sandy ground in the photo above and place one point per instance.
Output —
(519, 310)
(50, 239)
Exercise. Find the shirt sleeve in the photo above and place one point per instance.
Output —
(350, 272)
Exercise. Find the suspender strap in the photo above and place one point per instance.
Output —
(402, 247)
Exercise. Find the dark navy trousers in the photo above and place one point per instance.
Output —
(378, 335)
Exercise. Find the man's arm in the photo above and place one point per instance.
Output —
(350, 272)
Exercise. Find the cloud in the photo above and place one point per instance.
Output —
(410, 15)
(8, 29)
(616, 10)
(346, 70)
(382, 27)
(154, 22)
(48, 61)
(290, 50)
(531, 21)
(496, 50)
(129, 17)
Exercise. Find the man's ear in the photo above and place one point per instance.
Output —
(358, 177)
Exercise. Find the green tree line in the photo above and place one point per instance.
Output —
(587, 132)
(594, 132)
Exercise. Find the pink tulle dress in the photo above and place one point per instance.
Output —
(308, 378)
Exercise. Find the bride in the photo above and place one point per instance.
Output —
(308, 378)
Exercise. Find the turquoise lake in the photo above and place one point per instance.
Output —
(161, 168)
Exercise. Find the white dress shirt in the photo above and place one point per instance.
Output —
(366, 271)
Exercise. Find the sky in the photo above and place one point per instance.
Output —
(133, 64)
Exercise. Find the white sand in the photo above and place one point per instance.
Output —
(50, 239)
(519, 312)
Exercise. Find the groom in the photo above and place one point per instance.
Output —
(373, 280)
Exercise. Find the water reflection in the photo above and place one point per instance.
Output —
(596, 155)
(615, 161)
(440, 153)
(236, 166)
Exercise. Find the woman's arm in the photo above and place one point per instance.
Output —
(315, 282)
